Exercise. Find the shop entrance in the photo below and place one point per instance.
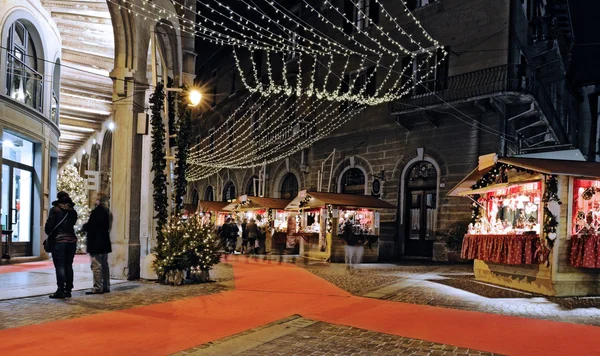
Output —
(17, 209)
(420, 209)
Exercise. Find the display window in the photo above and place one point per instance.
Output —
(510, 210)
(312, 222)
(280, 222)
(586, 206)
(360, 220)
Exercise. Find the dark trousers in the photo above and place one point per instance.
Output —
(62, 256)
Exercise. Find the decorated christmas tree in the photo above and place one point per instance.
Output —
(71, 182)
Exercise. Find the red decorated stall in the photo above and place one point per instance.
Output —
(535, 224)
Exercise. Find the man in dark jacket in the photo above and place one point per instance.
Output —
(98, 244)
(60, 228)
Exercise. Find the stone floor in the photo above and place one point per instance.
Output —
(41, 309)
(453, 286)
(300, 336)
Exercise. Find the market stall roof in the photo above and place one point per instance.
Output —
(212, 205)
(256, 203)
(545, 166)
(319, 199)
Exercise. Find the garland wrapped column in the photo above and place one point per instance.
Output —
(184, 127)
(159, 164)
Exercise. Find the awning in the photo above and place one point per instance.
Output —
(320, 199)
(545, 166)
(215, 206)
(256, 203)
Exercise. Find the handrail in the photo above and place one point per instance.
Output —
(17, 69)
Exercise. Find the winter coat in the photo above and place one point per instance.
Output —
(252, 230)
(98, 231)
(65, 232)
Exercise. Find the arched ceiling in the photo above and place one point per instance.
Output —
(87, 58)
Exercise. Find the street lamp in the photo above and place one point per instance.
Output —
(194, 96)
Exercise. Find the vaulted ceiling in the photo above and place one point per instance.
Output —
(87, 58)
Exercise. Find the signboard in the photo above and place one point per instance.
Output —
(377, 218)
(376, 190)
(93, 181)
(302, 194)
(335, 213)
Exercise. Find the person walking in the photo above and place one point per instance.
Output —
(244, 236)
(98, 244)
(252, 229)
(60, 229)
(233, 235)
(354, 245)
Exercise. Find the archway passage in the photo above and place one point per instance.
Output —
(229, 191)
(209, 194)
(289, 186)
(420, 213)
(195, 198)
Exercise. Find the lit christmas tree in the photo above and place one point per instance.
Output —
(71, 182)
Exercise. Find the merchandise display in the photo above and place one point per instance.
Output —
(362, 221)
(511, 210)
(586, 207)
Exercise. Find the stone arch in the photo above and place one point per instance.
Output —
(346, 164)
(84, 165)
(124, 33)
(209, 193)
(283, 168)
(194, 197)
(230, 191)
(94, 164)
(405, 164)
(251, 189)
(106, 162)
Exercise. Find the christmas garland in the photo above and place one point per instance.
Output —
(305, 201)
(159, 164)
(498, 175)
(475, 211)
(551, 209)
(184, 128)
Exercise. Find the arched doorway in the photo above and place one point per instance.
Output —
(289, 187)
(353, 181)
(209, 194)
(229, 191)
(420, 203)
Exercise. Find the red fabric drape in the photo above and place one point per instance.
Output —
(506, 249)
(585, 251)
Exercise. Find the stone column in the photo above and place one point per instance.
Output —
(126, 178)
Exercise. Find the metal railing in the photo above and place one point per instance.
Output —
(517, 78)
(23, 83)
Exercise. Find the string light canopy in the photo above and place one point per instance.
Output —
(323, 66)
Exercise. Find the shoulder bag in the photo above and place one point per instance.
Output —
(51, 240)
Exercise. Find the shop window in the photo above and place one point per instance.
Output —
(289, 186)
(229, 191)
(361, 221)
(17, 149)
(252, 186)
(586, 207)
(23, 81)
(209, 194)
(363, 13)
(427, 73)
(415, 4)
(353, 181)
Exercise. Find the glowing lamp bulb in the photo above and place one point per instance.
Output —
(111, 126)
(195, 97)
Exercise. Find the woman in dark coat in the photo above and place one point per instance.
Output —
(98, 244)
(60, 228)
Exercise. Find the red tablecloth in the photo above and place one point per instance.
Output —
(585, 251)
(506, 249)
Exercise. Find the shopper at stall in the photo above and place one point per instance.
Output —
(354, 247)
(98, 244)
(224, 234)
(252, 230)
(233, 235)
(245, 236)
(61, 235)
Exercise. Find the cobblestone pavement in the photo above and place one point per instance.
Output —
(453, 286)
(299, 336)
(37, 310)
(329, 339)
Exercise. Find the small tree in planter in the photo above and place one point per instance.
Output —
(189, 246)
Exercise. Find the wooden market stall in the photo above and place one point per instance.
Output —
(321, 217)
(535, 224)
(214, 211)
(270, 216)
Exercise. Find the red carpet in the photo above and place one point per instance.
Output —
(41, 265)
(268, 292)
